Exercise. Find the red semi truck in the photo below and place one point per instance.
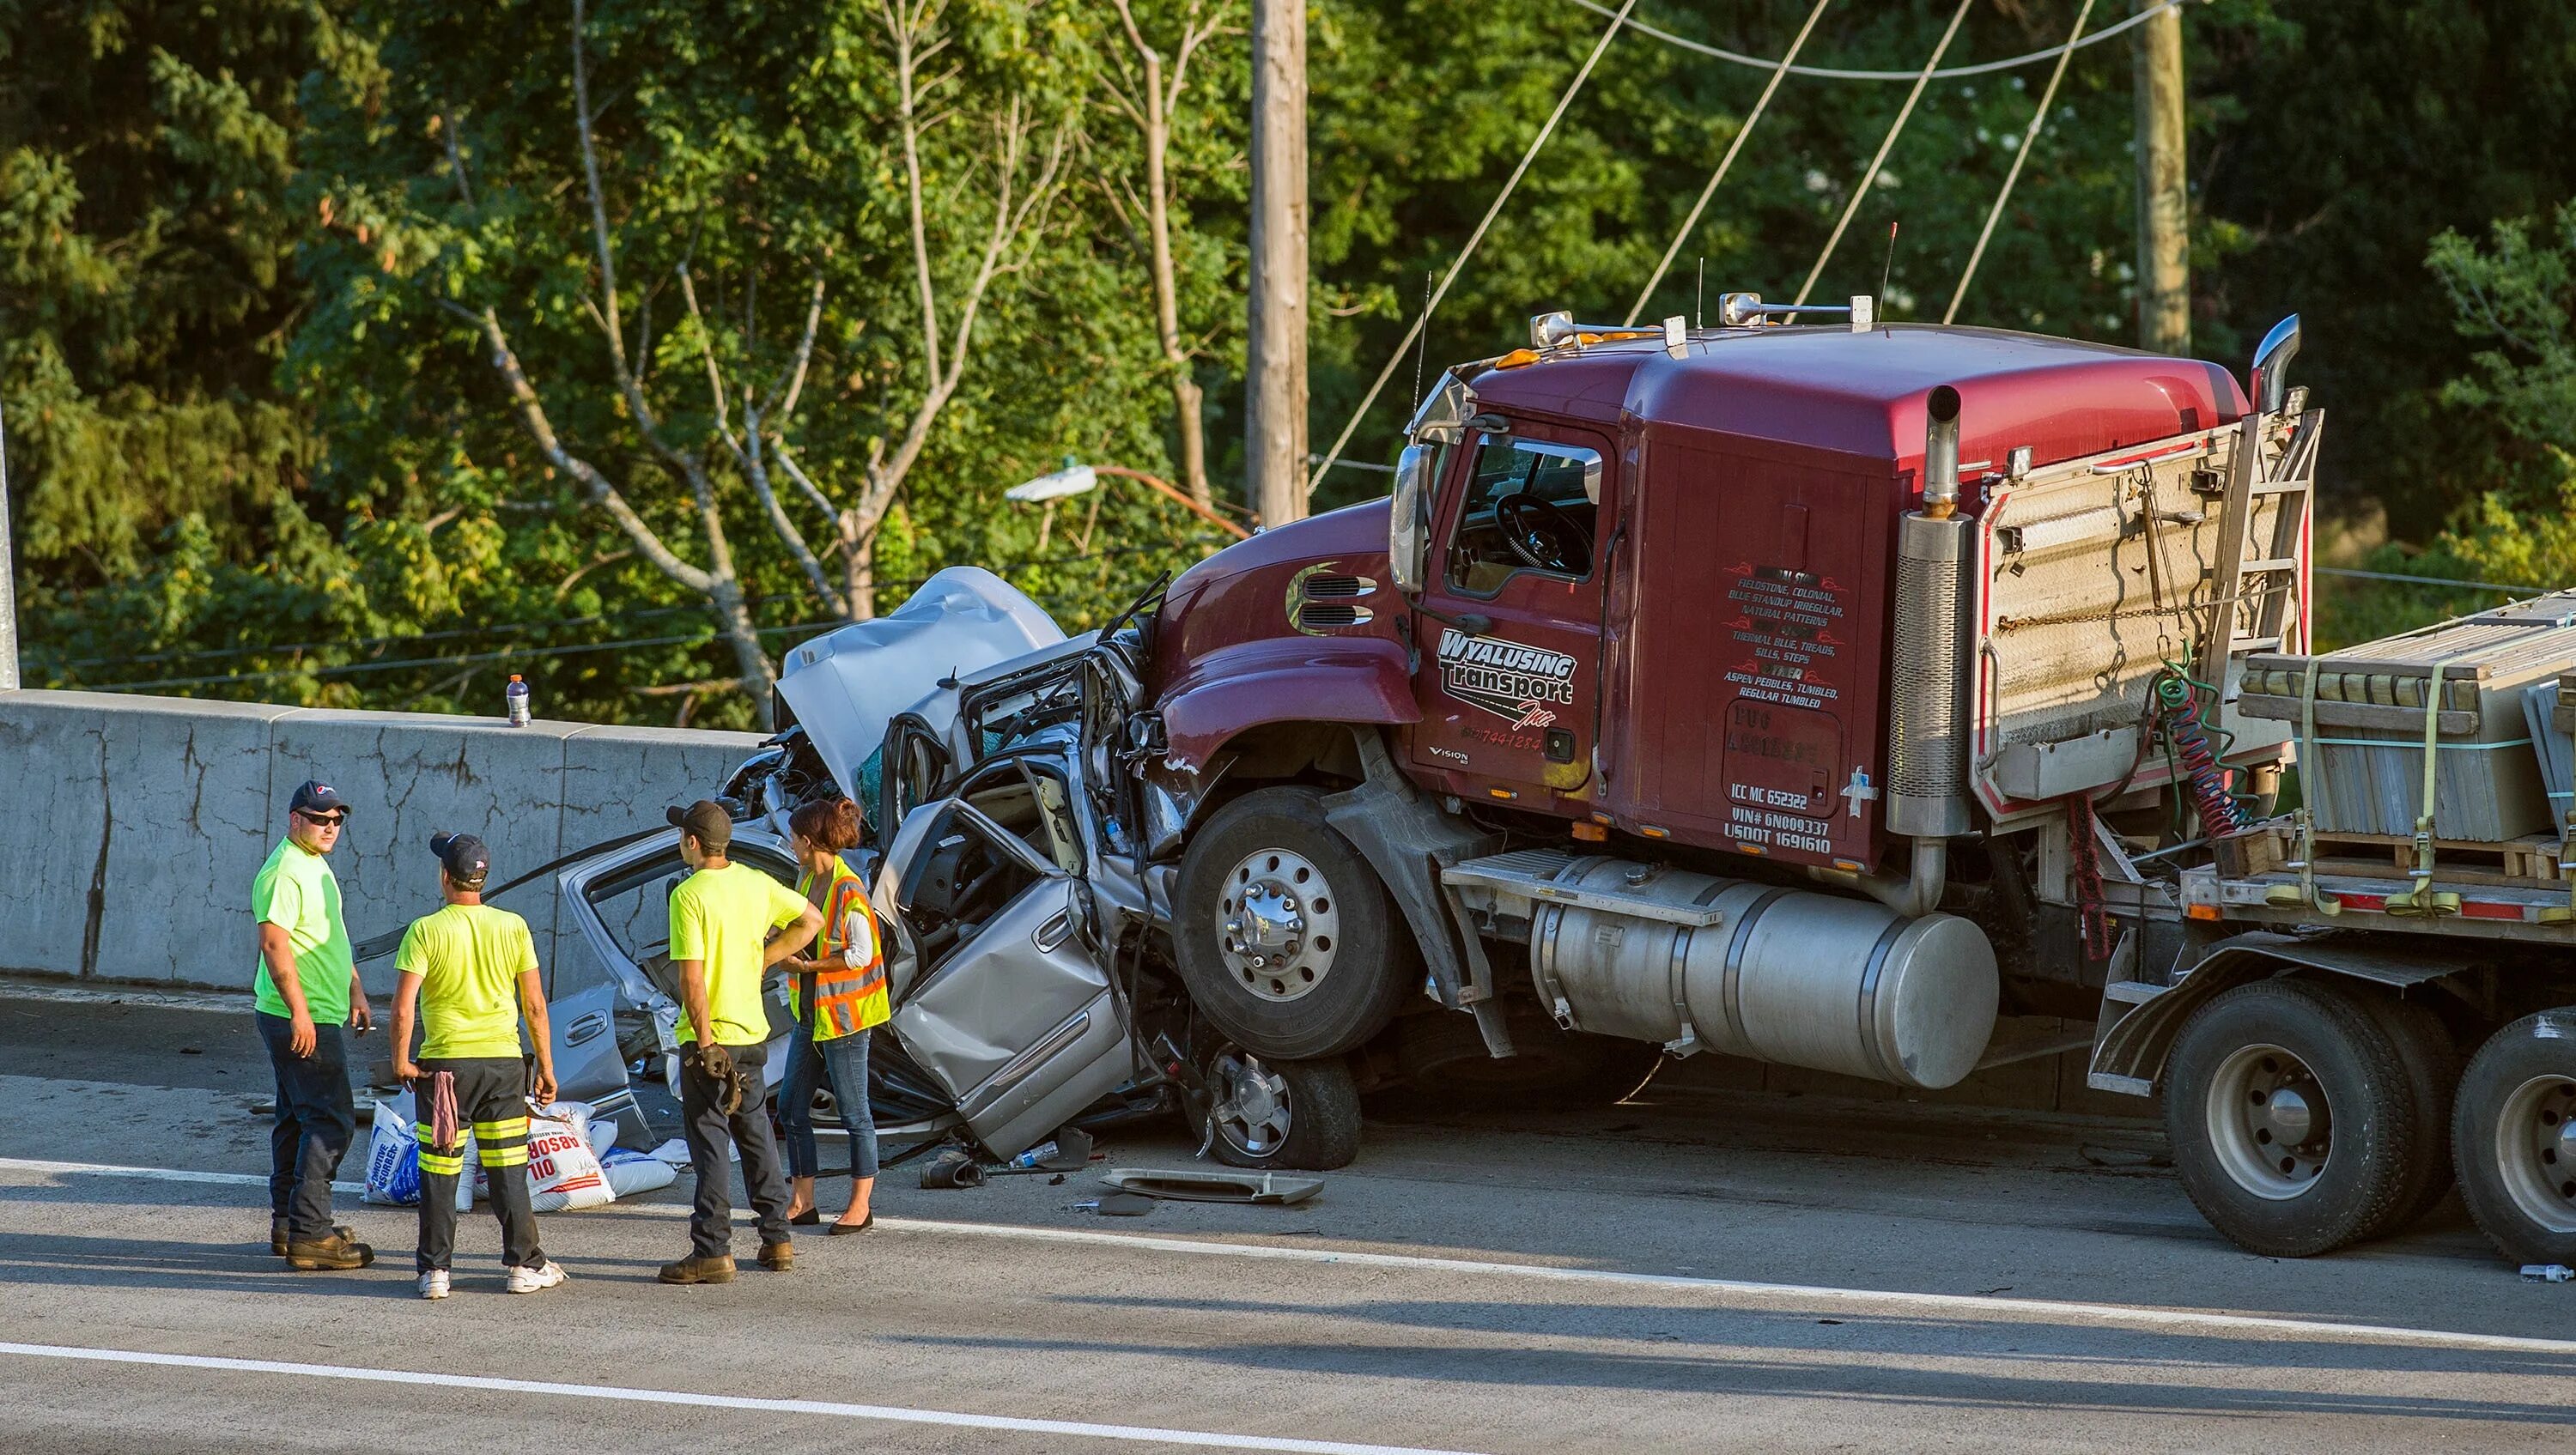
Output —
(1808, 693)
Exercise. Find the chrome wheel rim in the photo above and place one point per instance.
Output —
(2269, 1122)
(2535, 1150)
(1250, 1109)
(1278, 925)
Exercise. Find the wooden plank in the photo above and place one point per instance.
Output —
(2402, 720)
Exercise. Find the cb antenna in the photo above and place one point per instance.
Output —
(1422, 344)
(1699, 310)
(1888, 271)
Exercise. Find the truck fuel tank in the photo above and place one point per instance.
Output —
(1792, 976)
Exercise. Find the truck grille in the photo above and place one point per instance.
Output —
(1319, 588)
(1319, 615)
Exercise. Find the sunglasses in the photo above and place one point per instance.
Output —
(326, 820)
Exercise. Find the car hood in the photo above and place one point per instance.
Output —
(846, 685)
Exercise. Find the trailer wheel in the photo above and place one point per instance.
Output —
(1278, 1114)
(1287, 940)
(2514, 1132)
(2291, 1118)
(2431, 1060)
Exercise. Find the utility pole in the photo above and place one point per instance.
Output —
(2164, 207)
(8, 578)
(1275, 409)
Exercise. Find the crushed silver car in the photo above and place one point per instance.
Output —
(1027, 948)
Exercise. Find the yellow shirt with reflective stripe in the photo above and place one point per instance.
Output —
(723, 917)
(469, 958)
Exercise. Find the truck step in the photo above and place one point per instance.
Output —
(1538, 874)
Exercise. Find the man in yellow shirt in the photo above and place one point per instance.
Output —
(306, 988)
(472, 969)
(722, 917)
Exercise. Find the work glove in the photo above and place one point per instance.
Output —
(719, 1067)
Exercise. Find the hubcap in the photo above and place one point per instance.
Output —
(2535, 1148)
(2269, 1122)
(1278, 924)
(1251, 1107)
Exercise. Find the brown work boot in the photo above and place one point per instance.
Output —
(336, 1251)
(778, 1257)
(700, 1268)
(277, 1233)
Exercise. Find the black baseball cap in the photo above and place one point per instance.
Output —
(704, 820)
(463, 856)
(318, 797)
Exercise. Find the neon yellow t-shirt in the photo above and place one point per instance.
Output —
(723, 917)
(469, 958)
(296, 892)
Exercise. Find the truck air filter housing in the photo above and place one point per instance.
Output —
(1927, 759)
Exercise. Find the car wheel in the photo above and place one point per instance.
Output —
(2514, 1135)
(1277, 1114)
(1287, 940)
(2291, 1118)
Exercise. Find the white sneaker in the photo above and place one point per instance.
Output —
(534, 1280)
(433, 1284)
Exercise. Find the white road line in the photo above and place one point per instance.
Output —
(2195, 1321)
(154, 1174)
(898, 1414)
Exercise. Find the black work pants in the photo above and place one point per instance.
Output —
(710, 1133)
(491, 1100)
(317, 1118)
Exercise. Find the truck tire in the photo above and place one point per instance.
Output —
(2432, 1063)
(2291, 1118)
(1447, 1068)
(1287, 940)
(2514, 1134)
(1301, 1115)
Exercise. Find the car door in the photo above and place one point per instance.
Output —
(1006, 1003)
(1510, 626)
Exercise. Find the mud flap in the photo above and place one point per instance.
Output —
(1407, 840)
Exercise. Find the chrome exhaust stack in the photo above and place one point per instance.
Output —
(1927, 767)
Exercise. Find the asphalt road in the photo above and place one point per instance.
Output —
(1703, 1272)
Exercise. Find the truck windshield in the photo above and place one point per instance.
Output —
(1530, 506)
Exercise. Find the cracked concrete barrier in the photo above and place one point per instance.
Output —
(144, 820)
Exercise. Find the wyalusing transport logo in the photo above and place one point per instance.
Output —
(1506, 678)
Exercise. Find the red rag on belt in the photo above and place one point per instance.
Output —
(444, 1132)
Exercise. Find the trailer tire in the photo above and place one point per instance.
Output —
(2431, 1060)
(1301, 1115)
(2514, 1136)
(1270, 863)
(2280, 1059)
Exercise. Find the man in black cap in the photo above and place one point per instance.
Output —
(722, 919)
(306, 987)
(472, 969)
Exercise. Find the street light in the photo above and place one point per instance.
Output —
(1076, 479)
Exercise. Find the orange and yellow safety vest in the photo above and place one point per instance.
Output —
(848, 999)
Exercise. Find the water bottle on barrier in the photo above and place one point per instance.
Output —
(516, 695)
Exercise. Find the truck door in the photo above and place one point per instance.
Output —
(1510, 703)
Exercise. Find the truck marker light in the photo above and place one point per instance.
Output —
(1502, 793)
(1848, 866)
(1516, 358)
(2200, 911)
(1591, 833)
(1652, 832)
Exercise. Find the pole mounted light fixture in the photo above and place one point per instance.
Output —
(1077, 479)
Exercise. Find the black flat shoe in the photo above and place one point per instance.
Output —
(806, 1219)
(843, 1229)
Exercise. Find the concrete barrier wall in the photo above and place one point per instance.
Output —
(130, 827)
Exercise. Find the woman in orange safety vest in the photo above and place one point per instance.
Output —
(838, 994)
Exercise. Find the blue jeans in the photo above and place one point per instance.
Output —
(317, 1119)
(844, 1061)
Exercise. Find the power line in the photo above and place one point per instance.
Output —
(2435, 581)
(2029, 142)
(1869, 178)
(1827, 73)
(499, 628)
(1478, 236)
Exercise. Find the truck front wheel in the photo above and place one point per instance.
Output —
(2291, 1118)
(1287, 940)
(2514, 1132)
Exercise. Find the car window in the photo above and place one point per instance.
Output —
(1530, 506)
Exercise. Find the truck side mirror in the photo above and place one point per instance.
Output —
(1408, 529)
